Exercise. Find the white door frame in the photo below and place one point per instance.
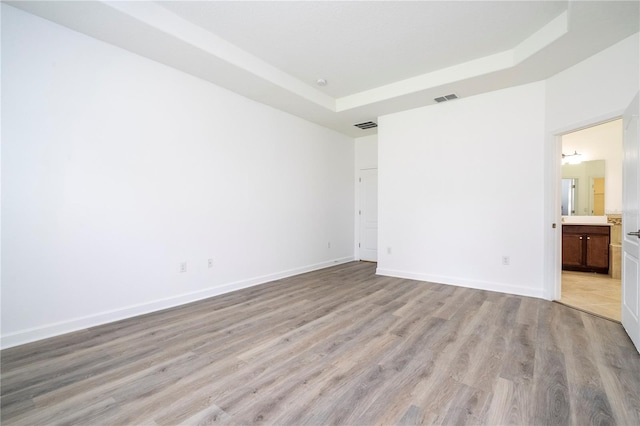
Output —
(553, 174)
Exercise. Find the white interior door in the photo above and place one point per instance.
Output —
(368, 215)
(631, 224)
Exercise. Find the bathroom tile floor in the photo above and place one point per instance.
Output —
(596, 293)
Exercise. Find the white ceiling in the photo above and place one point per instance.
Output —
(603, 141)
(358, 46)
(378, 57)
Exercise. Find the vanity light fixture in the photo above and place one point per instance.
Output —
(574, 158)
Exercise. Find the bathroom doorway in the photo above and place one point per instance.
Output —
(591, 211)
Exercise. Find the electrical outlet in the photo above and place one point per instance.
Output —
(210, 263)
(506, 260)
(388, 250)
(183, 267)
(328, 245)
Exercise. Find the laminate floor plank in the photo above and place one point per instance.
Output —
(468, 406)
(528, 311)
(487, 361)
(334, 346)
(208, 416)
(394, 373)
(413, 416)
(129, 368)
(348, 360)
(58, 407)
(510, 404)
(519, 360)
(362, 345)
(551, 390)
(589, 402)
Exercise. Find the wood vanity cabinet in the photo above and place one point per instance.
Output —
(585, 248)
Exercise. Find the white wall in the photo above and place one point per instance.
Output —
(366, 152)
(597, 89)
(460, 186)
(115, 169)
(452, 201)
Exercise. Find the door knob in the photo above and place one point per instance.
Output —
(637, 233)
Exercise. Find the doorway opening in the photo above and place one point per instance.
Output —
(591, 203)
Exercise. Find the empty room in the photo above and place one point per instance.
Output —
(318, 212)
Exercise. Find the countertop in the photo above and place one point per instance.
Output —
(587, 224)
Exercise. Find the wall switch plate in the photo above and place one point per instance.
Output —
(210, 263)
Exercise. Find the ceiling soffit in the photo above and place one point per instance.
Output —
(157, 32)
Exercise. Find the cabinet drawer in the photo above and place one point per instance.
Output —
(586, 229)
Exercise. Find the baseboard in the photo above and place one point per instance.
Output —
(77, 324)
(463, 282)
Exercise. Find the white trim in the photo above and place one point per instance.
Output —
(553, 293)
(77, 324)
(463, 282)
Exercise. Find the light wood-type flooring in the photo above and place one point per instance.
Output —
(336, 346)
(597, 293)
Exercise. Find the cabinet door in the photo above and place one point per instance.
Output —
(572, 250)
(598, 251)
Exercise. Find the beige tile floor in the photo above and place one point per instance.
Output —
(596, 293)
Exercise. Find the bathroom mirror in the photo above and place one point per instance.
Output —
(569, 197)
(583, 189)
